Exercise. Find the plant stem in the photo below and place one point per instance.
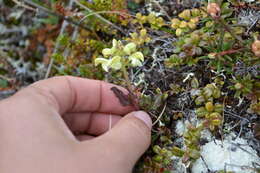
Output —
(67, 18)
(99, 16)
(228, 29)
(57, 45)
(162, 9)
(132, 96)
(161, 114)
(125, 73)
(23, 5)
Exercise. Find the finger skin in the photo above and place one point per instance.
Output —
(36, 139)
(125, 143)
(74, 94)
(90, 123)
(85, 137)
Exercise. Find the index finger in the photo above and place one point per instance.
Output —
(74, 94)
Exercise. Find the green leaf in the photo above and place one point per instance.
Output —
(3, 83)
(199, 100)
(52, 20)
(63, 40)
(167, 171)
(201, 112)
(177, 151)
(58, 57)
(194, 83)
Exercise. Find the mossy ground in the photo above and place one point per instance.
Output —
(198, 69)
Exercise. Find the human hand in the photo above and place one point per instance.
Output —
(58, 126)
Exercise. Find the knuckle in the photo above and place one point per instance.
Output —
(40, 95)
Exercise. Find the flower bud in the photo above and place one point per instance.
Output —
(212, 55)
(115, 63)
(256, 48)
(213, 9)
(238, 86)
(129, 48)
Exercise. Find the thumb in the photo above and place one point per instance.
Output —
(133, 131)
(129, 138)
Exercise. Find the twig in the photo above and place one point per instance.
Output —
(247, 32)
(57, 45)
(98, 16)
(129, 88)
(5, 78)
(223, 118)
(230, 51)
(109, 12)
(239, 146)
(162, 9)
(227, 28)
(202, 158)
(23, 5)
(161, 114)
(239, 166)
(75, 32)
(240, 131)
(67, 18)
(232, 114)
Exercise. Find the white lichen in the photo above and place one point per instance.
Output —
(180, 128)
(230, 155)
(206, 134)
(248, 17)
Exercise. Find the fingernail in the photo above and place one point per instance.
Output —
(144, 117)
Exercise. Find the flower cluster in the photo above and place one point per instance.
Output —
(120, 56)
